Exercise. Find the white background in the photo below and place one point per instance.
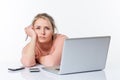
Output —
(74, 18)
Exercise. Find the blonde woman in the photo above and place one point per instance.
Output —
(45, 46)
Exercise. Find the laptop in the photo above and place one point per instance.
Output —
(82, 55)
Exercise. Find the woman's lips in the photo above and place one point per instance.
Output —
(42, 37)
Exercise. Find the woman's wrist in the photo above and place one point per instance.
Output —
(33, 37)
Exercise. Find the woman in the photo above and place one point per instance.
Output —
(45, 46)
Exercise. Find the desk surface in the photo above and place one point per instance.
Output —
(107, 74)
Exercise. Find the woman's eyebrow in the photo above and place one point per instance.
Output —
(48, 26)
(37, 26)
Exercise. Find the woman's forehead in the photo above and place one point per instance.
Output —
(42, 21)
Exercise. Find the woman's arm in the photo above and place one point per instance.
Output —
(28, 52)
(54, 58)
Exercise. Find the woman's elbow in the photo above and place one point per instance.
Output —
(50, 62)
(28, 63)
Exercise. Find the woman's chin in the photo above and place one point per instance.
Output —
(42, 41)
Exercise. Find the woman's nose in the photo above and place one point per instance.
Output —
(43, 31)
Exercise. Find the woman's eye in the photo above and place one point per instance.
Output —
(38, 27)
(47, 28)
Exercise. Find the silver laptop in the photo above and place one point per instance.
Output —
(82, 55)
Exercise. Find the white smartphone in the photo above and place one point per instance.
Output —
(34, 70)
(16, 68)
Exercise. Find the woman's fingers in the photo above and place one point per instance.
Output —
(30, 31)
(25, 30)
(30, 26)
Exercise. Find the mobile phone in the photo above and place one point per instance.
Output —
(34, 70)
(16, 68)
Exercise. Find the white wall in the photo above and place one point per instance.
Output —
(75, 18)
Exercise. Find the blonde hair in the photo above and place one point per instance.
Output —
(45, 16)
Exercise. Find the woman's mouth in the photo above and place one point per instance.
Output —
(42, 37)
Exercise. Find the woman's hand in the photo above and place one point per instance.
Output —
(30, 31)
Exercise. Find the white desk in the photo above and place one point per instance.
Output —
(107, 74)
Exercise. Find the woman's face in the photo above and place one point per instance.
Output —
(43, 29)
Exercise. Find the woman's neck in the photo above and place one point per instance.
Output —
(46, 46)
